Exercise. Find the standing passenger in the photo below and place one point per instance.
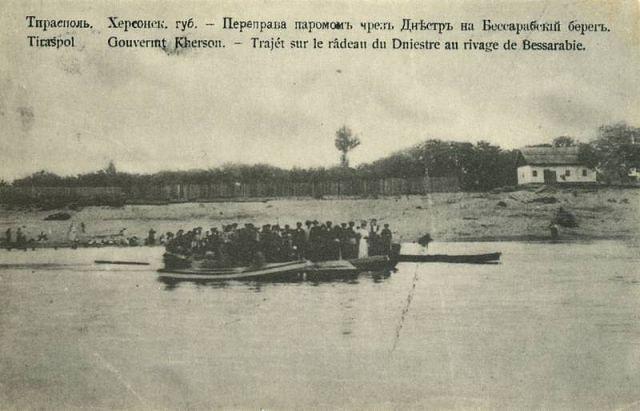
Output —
(313, 251)
(343, 241)
(374, 238)
(299, 241)
(385, 240)
(363, 245)
(307, 230)
(151, 237)
(352, 240)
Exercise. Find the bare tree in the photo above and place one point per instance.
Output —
(345, 141)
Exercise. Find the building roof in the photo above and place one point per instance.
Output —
(550, 155)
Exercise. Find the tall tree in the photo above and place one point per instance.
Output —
(111, 168)
(618, 150)
(345, 142)
(587, 155)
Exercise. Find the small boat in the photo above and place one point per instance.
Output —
(373, 263)
(118, 262)
(332, 266)
(490, 258)
(178, 267)
(265, 272)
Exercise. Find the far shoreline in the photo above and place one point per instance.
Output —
(522, 215)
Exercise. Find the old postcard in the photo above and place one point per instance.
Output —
(329, 204)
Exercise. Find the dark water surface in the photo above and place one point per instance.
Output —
(553, 326)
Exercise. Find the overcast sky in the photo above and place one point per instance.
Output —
(71, 111)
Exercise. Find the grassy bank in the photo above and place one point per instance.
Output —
(602, 213)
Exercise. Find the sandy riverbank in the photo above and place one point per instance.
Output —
(605, 213)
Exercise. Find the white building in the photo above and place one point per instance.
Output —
(553, 165)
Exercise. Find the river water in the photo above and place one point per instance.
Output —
(553, 326)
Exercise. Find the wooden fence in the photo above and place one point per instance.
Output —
(240, 190)
(82, 193)
(354, 187)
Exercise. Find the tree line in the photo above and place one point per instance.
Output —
(479, 167)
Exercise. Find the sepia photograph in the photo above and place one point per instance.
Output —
(320, 205)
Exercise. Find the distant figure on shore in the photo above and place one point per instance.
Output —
(565, 218)
(8, 235)
(42, 237)
(151, 237)
(83, 228)
(424, 242)
(553, 231)
(21, 238)
(72, 235)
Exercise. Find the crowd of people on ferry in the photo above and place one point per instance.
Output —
(315, 241)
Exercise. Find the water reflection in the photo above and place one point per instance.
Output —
(313, 279)
(460, 332)
(378, 277)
